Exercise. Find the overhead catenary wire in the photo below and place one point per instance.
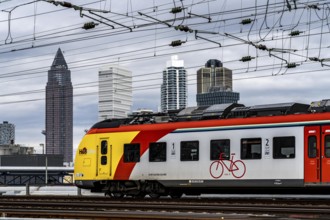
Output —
(7, 61)
(187, 51)
(53, 33)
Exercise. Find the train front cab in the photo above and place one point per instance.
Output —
(93, 162)
(317, 156)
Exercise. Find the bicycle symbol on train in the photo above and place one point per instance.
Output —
(236, 167)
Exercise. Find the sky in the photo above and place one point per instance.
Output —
(274, 33)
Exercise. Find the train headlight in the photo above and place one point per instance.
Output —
(79, 183)
(79, 174)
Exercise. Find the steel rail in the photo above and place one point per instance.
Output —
(87, 208)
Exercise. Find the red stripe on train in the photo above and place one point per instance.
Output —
(124, 170)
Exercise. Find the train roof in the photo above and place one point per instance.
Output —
(270, 110)
(218, 111)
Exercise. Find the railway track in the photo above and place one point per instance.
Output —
(100, 208)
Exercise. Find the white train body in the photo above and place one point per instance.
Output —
(262, 169)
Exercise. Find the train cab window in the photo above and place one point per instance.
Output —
(189, 151)
(327, 146)
(220, 147)
(251, 148)
(104, 147)
(131, 153)
(284, 147)
(312, 152)
(157, 152)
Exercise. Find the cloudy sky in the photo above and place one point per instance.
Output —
(275, 33)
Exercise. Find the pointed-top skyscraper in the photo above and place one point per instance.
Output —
(59, 109)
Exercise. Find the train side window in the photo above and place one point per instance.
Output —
(131, 153)
(251, 148)
(312, 152)
(327, 146)
(157, 152)
(189, 151)
(220, 147)
(284, 147)
(104, 147)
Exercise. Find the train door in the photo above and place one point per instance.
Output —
(317, 154)
(325, 156)
(103, 158)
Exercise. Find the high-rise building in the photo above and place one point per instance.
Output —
(59, 109)
(174, 86)
(7, 133)
(115, 92)
(215, 85)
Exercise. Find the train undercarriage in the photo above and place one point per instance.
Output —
(136, 189)
(154, 189)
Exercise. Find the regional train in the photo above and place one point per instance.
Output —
(209, 149)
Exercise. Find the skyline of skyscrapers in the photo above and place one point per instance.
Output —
(174, 86)
(215, 84)
(59, 109)
(115, 92)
